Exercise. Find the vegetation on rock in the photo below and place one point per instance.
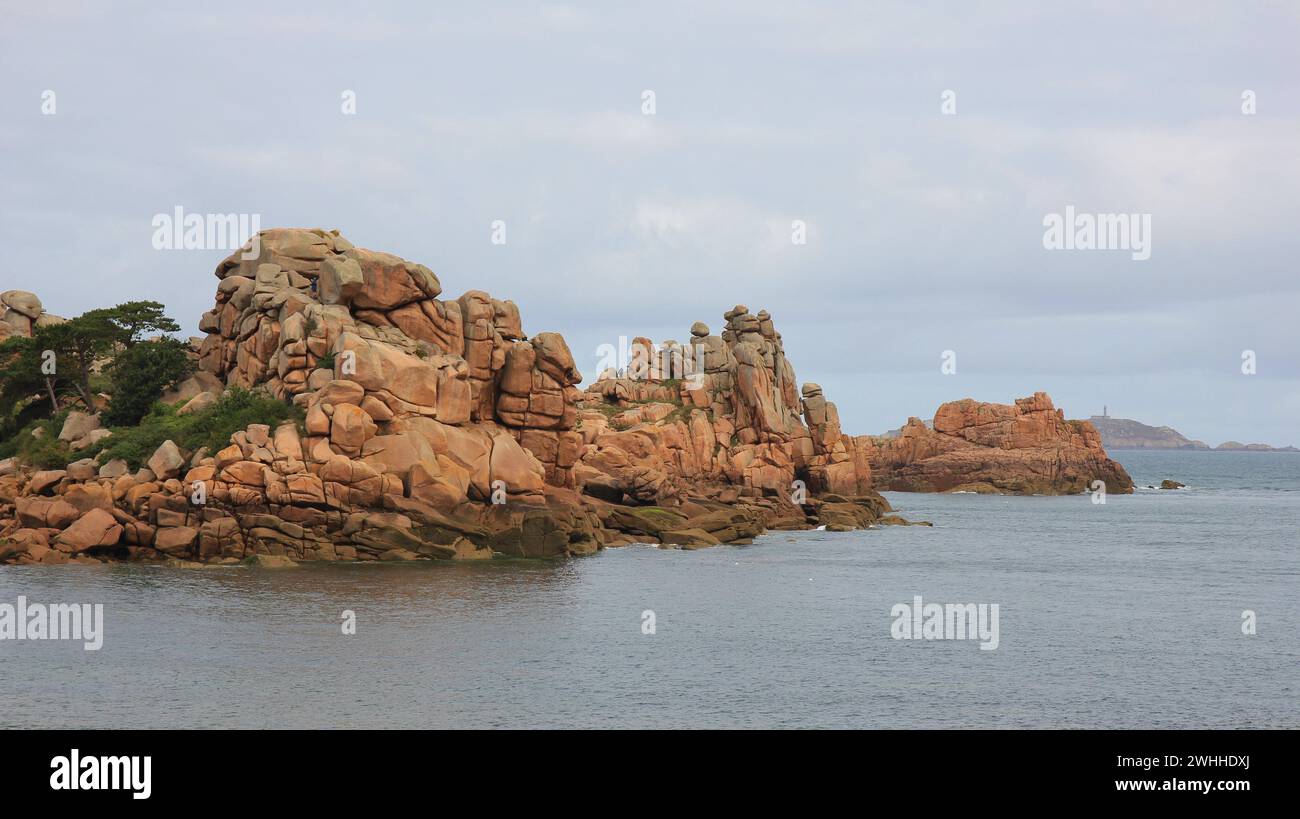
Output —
(210, 427)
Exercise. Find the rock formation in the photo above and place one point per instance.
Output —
(436, 428)
(721, 416)
(1024, 448)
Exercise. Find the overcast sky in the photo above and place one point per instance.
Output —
(925, 230)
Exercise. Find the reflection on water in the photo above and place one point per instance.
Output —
(1123, 615)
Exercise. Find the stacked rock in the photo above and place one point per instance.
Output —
(298, 310)
(838, 463)
(21, 312)
(728, 415)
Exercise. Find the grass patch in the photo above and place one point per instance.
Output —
(684, 413)
(608, 410)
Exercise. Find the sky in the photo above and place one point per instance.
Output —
(922, 146)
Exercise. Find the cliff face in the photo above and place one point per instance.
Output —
(1024, 448)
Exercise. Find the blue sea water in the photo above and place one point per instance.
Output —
(1126, 614)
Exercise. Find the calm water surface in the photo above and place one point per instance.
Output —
(1125, 615)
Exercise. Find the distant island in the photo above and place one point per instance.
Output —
(1124, 433)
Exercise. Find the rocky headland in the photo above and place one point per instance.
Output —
(1125, 433)
(437, 428)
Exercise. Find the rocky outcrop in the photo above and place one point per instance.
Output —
(265, 495)
(1123, 433)
(1023, 448)
(720, 416)
(437, 428)
(311, 309)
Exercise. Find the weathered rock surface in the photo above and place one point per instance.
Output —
(1023, 448)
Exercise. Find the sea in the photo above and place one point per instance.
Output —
(1160, 609)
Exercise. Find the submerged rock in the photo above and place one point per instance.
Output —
(269, 562)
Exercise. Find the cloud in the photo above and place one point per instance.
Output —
(924, 231)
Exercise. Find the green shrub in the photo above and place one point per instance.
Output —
(44, 452)
(140, 374)
(48, 452)
(137, 444)
(234, 411)
(22, 418)
(211, 427)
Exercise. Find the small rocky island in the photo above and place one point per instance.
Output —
(433, 428)
(1025, 448)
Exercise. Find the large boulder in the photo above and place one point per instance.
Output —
(390, 281)
(166, 461)
(95, 528)
(22, 302)
(46, 513)
(515, 467)
(176, 540)
(341, 280)
(78, 425)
